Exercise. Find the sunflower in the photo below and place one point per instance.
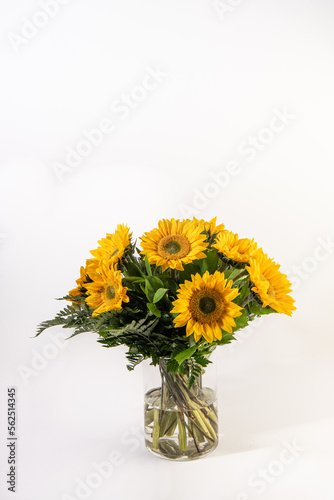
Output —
(205, 305)
(239, 250)
(106, 292)
(270, 284)
(85, 272)
(174, 244)
(91, 268)
(210, 226)
(113, 246)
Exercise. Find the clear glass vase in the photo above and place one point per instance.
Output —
(181, 423)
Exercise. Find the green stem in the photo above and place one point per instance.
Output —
(247, 300)
(201, 429)
(191, 432)
(182, 434)
(242, 274)
(184, 408)
(223, 267)
(170, 431)
(173, 274)
(156, 429)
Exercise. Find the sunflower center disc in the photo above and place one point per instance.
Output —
(207, 305)
(172, 247)
(111, 292)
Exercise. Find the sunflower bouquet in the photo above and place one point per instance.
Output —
(188, 289)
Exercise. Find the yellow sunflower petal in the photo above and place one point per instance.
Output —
(209, 226)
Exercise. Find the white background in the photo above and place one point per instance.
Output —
(228, 71)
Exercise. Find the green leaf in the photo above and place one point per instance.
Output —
(172, 366)
(159, 294)
(241, 321)
(243, 292)
(233, 274)
(188, 270)
(171, 284)
(260, 311)
(134, 279)
(149, 290)
(133, 269)
(226, 338)
(154, 310)
(182, 356)
(147, 265)
(210, 263)
(155, 282)
(134, 359)
(192, 341)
